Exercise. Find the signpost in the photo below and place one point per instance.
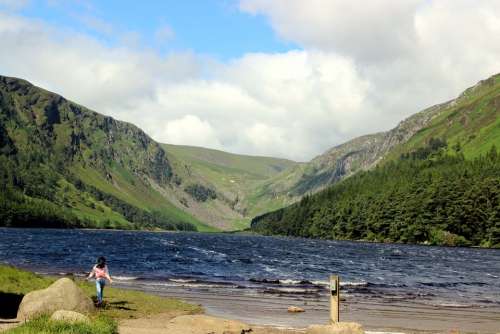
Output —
(334, 299)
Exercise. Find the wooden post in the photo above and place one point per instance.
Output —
(334, 299)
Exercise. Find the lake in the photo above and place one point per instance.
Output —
(254, 278)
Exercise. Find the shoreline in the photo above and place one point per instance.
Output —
(250, 233)
(264, 311)
(394, 317)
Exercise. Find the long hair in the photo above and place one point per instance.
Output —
(101, 262)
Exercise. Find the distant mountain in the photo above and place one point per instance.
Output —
(232, 176)
(458, 120)
(361, 153)
(65, 165)
(436, 180)
(61, 161)
(470, 123)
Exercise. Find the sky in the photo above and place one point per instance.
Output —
(284, 78)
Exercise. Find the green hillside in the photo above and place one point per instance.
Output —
(64, 165)
(440, 186)
(470, 123)
(234, 177)
(227, 163)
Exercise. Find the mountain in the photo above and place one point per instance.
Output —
(65, 165)
(233, 177)
(433, 179)
(470, 123)
(362, 153)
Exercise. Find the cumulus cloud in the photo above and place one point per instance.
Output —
(411, 53)
(360, 69)
(369, 30)
(190, 130)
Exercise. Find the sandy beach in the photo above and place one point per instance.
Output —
(395, 317)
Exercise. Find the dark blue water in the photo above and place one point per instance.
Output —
(460, 277)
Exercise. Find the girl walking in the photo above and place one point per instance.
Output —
(100, 271)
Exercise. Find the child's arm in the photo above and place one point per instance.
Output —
(107, 276)
(92, 273)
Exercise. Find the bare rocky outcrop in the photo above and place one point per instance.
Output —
(63, 294)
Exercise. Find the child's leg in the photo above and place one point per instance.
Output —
(103, 284)
(98, 287)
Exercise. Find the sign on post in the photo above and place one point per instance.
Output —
(334, 298)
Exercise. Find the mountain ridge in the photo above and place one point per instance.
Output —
(94, 158)
(439, 185)
(197, 185)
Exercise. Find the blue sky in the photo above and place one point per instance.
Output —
(213, 27)
(284, 78)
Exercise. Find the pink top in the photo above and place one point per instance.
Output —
(101, 272)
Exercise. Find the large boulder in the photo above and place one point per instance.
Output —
(336, 328)
(69, 316)
(203, 324)
(63, 294)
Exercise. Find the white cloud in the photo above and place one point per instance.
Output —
(411, 53)
(190, 130)
(368, 30)
(361, 69)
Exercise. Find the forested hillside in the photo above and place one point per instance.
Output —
(429, 196)
(440, 185)
(63, 165)
(471, 122)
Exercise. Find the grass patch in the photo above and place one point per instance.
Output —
(125, 304)
(119, 303)
(42, 325)
(16, 281)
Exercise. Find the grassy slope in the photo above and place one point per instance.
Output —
(470, 124)
(258, 166)
(122, 304)
(40, 123)
(233, 175)
(139, 195)
(473, 121)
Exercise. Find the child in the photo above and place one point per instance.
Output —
(100, 271)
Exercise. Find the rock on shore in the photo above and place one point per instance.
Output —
(63, 294)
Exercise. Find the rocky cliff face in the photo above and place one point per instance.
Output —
(362, 153)
(89, 157)
(37, 122)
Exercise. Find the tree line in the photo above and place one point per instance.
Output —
(29, 191)
(431, 196)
